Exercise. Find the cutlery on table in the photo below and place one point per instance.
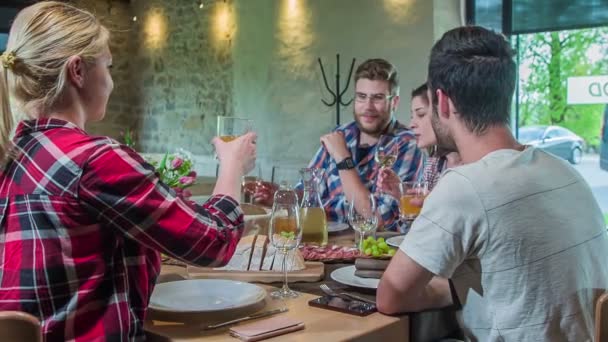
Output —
(328, 290)
(242, 319)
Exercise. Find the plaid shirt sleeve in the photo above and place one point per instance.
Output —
(130, 198)
(408, 167)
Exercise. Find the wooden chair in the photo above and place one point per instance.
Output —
(601, 319)
(19, 326)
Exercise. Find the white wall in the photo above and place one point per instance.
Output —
(277, 80)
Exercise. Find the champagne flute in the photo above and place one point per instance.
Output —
(285, 233)
(364, 219)
(231, 127)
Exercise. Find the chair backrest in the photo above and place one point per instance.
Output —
(19, 326)
(601, 319)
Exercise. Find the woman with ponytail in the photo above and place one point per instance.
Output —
(83, 218)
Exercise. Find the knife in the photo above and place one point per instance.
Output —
(238, 320)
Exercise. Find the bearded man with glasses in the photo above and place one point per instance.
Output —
(347, 154)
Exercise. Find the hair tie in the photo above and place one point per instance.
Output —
(8, 59)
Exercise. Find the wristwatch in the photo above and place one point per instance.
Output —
(346, 164)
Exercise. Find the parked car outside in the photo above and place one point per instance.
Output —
(557, 140)
(604, 142)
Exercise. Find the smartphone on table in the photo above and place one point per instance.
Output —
(349, 306)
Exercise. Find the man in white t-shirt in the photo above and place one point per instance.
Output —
(515, 230)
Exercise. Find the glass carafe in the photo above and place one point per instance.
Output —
(312, 214)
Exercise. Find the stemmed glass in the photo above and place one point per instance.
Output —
(285, 233)
(365, 219)
(231, 127)
(387, 150)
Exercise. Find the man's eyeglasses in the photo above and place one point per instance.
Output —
(374, 98)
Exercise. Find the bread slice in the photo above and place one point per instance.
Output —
(241, 259)
(269, 256)
(259, 251)
(295, 261)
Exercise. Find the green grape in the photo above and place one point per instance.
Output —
(375, 253)
(383, 246)
(368, 251)
(371, 239)
(380, 240)
(365, 244)
(392, 252)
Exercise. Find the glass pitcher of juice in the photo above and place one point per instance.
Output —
(312, 214)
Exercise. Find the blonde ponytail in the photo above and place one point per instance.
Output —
(42, 39)
(6, 117)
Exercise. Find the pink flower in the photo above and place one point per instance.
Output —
(176, 163)
(192, 174)
(186, 181)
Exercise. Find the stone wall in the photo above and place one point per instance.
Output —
(179, 66)
(182, 76)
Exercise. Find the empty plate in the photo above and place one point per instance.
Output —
(346, 275)
(333, 227)
(395, 241)
(204, 295)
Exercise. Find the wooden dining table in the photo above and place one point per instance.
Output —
(320, 324)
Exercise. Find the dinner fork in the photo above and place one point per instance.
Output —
(328, 290)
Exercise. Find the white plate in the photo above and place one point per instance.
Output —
(346, 275)
(395, 241)
(204, 295)
(333, 227)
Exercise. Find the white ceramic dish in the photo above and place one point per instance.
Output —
(205, 295)
(395, 241)
(346, 275)
(333, 227)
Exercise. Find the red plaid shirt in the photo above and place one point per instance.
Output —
(82, 220)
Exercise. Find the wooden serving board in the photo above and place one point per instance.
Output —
(314, 271)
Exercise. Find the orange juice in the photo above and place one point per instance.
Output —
(407, 209)
(228, 138)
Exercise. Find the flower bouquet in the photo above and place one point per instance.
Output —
(175, 170)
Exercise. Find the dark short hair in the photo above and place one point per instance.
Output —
(422, 92)
(474, 67)
(379, 69)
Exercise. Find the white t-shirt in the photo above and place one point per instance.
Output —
(524, 242)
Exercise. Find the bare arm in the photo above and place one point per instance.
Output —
(408, 287)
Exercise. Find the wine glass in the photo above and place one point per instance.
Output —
(285, 232)
(363, 216)
(412, 192)
(387, 150)
(231, 127)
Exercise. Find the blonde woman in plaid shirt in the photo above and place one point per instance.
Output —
(82, 217)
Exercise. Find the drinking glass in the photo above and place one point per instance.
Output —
(412, 191)
(365, 219)
(387, 150)
(285, 233)
(231, 127)
(250, 183)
